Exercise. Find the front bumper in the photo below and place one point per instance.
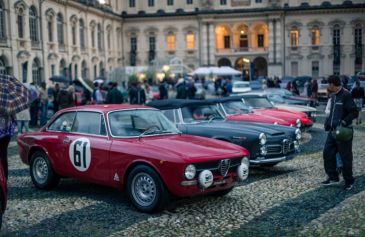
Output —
(263, 160)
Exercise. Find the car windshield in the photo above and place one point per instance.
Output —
(204, 113)
(258, 102)
(132, 123)
(235, 107)
(241, 85)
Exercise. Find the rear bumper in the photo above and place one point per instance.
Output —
(262, 160)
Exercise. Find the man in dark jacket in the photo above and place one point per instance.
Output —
(163, 91)
(342, 112)
(137, 94)
(114, 96)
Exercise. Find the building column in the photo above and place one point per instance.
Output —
(275, 68)
(211, 43)
(204, 44)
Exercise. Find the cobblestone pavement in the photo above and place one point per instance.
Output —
(285, 200)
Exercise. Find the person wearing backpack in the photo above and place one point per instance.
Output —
(342, 111)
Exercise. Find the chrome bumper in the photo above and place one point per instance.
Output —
(262, 160)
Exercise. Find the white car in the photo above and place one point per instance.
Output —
(240, 87)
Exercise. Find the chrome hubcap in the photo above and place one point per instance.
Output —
(40, 170)
(143, 189)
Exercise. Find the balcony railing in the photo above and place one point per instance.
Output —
(243, 49)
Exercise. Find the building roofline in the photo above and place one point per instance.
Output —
(284, 9)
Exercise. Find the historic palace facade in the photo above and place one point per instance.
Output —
(85, 38)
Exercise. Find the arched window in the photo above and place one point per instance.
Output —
(294, 38)
(63, 68)
(2, 21)
(20, 21)
(102, 69)
(50, 29)
(36, 72)
(33, 24)
(82, 34)
(99, 37)
(108, 39)
(171, 38)
(60, 36)
(315, 34)
(73, 33)
(84, 70)
(190, 41)
(3, 70)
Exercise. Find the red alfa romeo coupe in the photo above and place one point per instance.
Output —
(134, 148)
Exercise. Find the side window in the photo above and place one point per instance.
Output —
(169, 114)
(89, 123)
(63, 123)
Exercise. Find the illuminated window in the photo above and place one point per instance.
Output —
(190, 41)
(294, 38)
(315, 37)
(171, 41)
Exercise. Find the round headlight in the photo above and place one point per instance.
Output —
(242, 172)
(299, 123)
(190, 172)
(296, 145)
(263, 150)
(206, 178)
(262, 138)
(276, 123)
(298, 134)
(245, 161)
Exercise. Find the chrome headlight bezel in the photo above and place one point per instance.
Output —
(262, 138)
(298, 123)
(298, 134)
(190, 172)
(245, 161)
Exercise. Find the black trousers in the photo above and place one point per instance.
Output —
(4, 143)
(331, 148)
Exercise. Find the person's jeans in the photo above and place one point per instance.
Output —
(23, 124)
(44, 110)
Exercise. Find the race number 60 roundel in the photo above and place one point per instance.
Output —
(80, 154)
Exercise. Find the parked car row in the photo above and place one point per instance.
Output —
(169, 148)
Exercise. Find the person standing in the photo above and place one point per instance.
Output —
(43, 98)
(163, 91)
(181, 89)
(114, 96)
(34, 107)
(22, 120)
(65, 99)
(358, 95)
(7, 130)
(314, 90)
(191, 90)
(342, 111)
(55, 95)
(97, 94)
(137, 94)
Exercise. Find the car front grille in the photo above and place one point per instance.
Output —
(286, 147)
(219, 167)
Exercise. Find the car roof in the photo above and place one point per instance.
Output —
(104, 108)
(177, 103)
(258, 93)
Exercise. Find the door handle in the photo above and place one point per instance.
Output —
(66, 140)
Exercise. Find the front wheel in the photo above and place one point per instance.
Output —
(146, 190)
(41, 171)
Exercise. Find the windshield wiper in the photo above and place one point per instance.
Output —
(150, 130)
(212, 118)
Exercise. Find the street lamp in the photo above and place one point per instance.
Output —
(165, 68)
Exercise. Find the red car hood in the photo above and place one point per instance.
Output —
(259, 118)
(291, 116)
(194, 149)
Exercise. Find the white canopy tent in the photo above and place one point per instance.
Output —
(215, 71)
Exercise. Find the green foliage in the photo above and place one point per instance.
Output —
(133, 79)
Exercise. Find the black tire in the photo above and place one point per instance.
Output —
(222, 193)
(50, 179)
(159, 197)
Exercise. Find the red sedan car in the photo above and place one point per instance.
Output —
(3, 193)
(131, 147)
(234, 109)
(262, 106)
